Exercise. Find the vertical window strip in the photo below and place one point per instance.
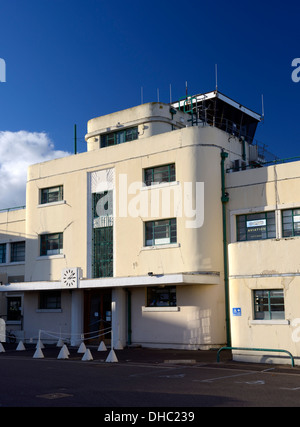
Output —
(3, 253)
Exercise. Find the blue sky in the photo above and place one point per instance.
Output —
(69, 61)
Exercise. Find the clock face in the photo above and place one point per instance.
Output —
(69, 277)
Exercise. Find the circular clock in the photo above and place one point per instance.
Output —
(69, 277)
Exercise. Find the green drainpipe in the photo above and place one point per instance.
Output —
(224, 200)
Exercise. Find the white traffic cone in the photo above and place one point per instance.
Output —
(64, 352)
(39, 344)
(20, 346)
(82, 348)
(38, 353)
(102, 346)
(87, 355)
(60, 343)
(112, 357)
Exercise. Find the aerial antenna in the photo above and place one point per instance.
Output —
(186, 90)
(262, 108)
(157, 95)
(142, 95)
(75, 139)
(170, 93)
(216, 73)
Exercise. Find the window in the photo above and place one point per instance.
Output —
(268, 304)
(161, 297)
(14, 308)
(160, 174)
(160, 232)
(102, 260)
(51, 244)
(51, 195)
(50, 300)
(118, 137)
(291, 222)
(2, 253)
(256, 226)
(17, 252)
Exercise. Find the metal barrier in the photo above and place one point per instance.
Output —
(256, 349)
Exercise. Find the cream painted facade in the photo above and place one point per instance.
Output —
(186, 262)
(268, 264)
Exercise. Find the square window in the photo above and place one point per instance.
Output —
(268, 304)
(160, 232)
(51, 244)
(50, 300)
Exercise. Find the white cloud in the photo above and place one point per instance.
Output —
(18, 150)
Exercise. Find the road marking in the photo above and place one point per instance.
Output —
(293, 389)
(172, 376)
(52, 396)
(222, 378)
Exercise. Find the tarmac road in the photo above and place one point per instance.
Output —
(144, 381)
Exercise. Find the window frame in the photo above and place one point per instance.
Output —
(45, 246)
(17, 254)
(119, 137)
(45, 194)
(266, 295)
(154, 293)
(171, 174)
(3, 253)
(171, 229)
(14, 308)
(49, 300)
(249, 217)
(293, 215)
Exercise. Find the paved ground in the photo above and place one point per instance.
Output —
(142, 381)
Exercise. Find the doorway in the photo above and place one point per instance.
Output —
(97, 315)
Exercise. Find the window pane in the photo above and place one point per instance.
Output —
(51, 244)
(269, 304)
(291, 222)
(2, 253)
(17, 252)
(119, 137)
(52, 194)
(158, 174)
(161, 297)
(256, 226)
(160, 232)
(50, 300)
(13, 308)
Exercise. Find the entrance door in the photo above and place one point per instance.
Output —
(97, 315)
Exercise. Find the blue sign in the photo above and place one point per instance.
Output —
(237, 311)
